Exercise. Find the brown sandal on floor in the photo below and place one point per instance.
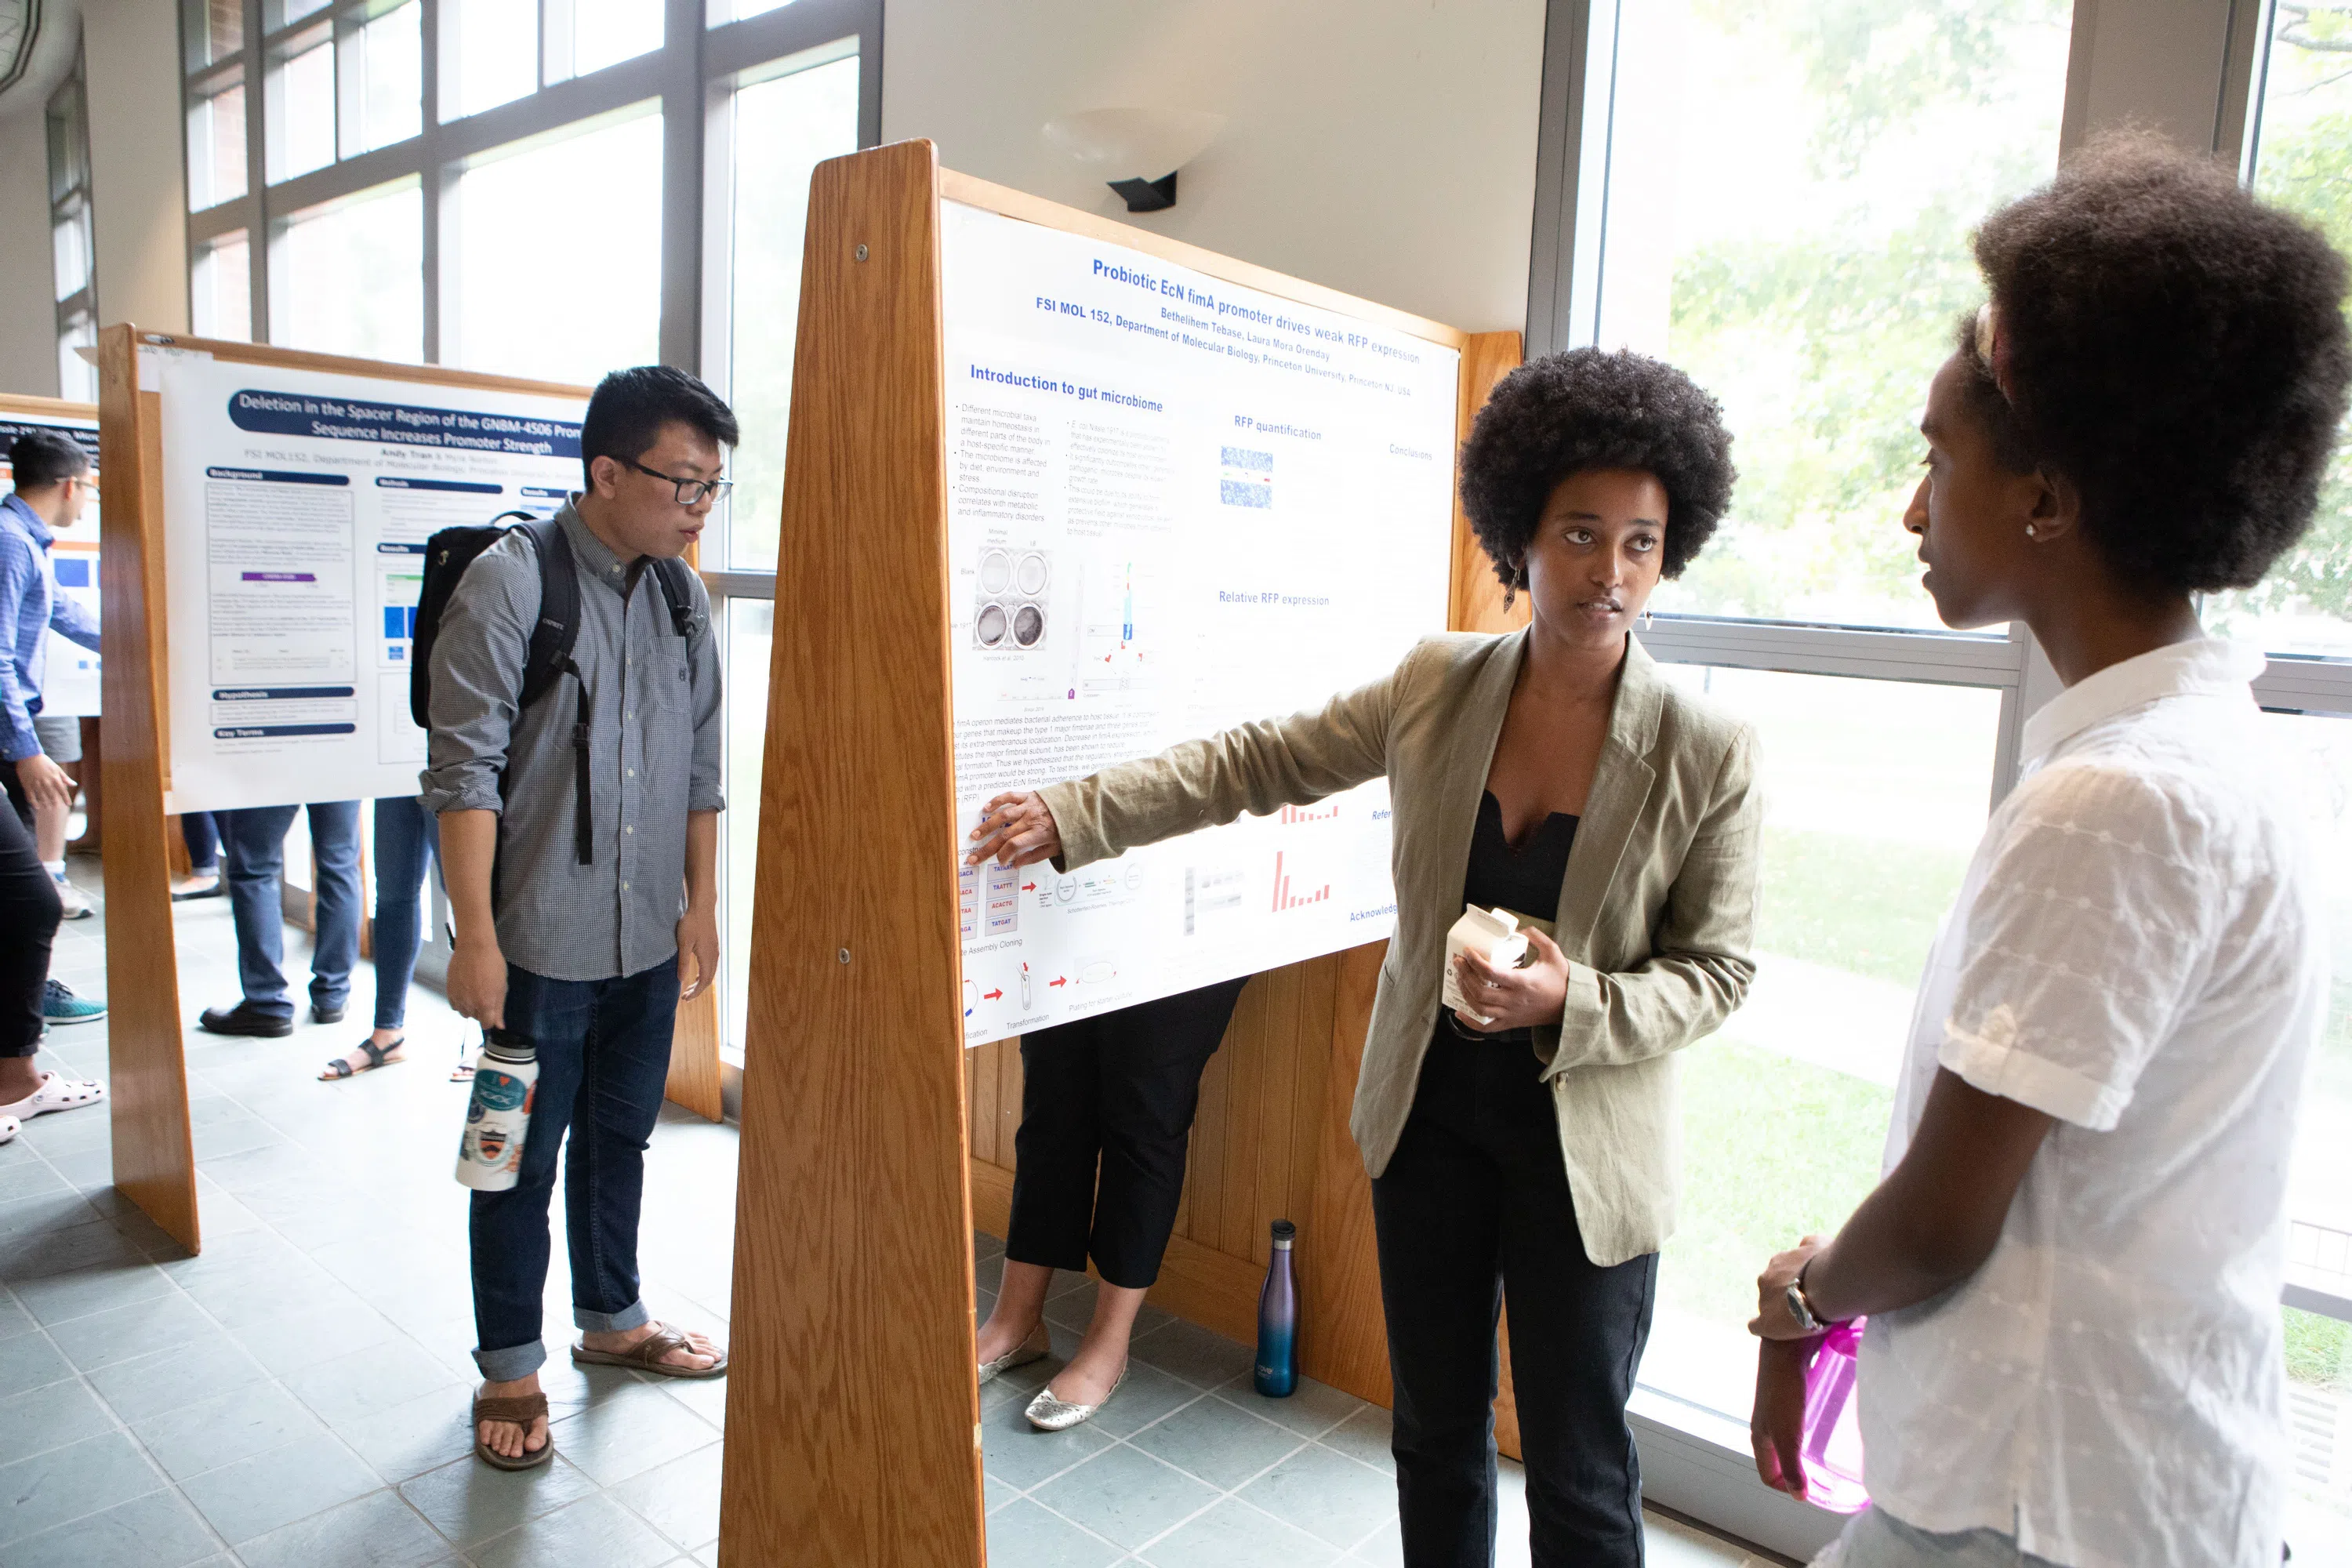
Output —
(646, 1354)
(522, 1409)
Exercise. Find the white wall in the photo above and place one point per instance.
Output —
(28, 317)
(138, 192)
(1383, 147)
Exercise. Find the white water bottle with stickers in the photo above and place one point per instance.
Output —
(498, 1116)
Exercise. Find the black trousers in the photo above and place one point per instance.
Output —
(1474, 1209)
(28, 924)
(1115, 1092)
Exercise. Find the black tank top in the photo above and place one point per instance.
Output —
(1525, 880)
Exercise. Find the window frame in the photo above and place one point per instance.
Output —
(66, 130)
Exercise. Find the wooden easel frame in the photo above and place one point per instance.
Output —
(154, 1157)
(853, 1408)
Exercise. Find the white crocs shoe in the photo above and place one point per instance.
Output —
(8, 1126)
(55, 1093)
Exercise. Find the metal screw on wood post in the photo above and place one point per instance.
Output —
(861, 253)
(844, 955)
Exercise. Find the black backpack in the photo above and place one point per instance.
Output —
(447, 554)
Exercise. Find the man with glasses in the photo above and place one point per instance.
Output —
(590, 934)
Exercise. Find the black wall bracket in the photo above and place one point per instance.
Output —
(1147, 196)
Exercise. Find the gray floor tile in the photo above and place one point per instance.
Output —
(988, 1273)
(1148, 1394)
(31, 1179)
(166, 1380)
(1310, 1410)
(1020, 1456)
(410, 1439)
(1023, 1533)
(60, 1297)
(40, 1420)
(379, 1530)
(615, 1438)
(243, 1300)
(291, 1343)
(1194, 1353)
(221, 1431)
(469, 1502)
(595, 1532)
(14, 1318)
(1124, 1496)
(1384, 1550)
(1673, 1545)
(1327, 1495)
(1074, 1309)
(63, 1484)
(706, 1397)
(94, 1246)
(120, 1333)
(680, 1498)
(28, 1361)
(994, 1494)
(371, 1381)
(1235, 1535)
(1364, 1437)
(1222, 1445)
(158, 1530)
(258, 1495)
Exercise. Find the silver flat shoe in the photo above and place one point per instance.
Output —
(1037, 1347)
(1048, 1414)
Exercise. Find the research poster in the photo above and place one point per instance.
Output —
(1174, 505)
(297, 505)
(70, 684)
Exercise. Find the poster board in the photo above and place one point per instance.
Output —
(70, 682)
(299, 500)
(1176, 502)
(852, 1393)
(165, 399)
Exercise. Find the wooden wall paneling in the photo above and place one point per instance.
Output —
(1344, 1341)
(155, 1152)
(1204, 1170)
(1008, 1098)
(693, 1081)
(1477, 599)
(1278, 1086)
(852, 1395)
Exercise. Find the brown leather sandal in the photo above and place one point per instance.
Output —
(522, 1409)
(646, 1354)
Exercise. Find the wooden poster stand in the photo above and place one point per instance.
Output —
(872, 1140)
(154, 1158)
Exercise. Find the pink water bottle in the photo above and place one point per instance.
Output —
(1832, 1446)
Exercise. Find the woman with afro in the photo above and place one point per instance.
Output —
(1524, 1147)
(2072, 1267)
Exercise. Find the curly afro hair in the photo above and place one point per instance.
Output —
(1589, 409)
(2174, 348)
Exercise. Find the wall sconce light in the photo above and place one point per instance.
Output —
(1131, 143)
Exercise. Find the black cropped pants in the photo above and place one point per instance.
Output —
(1113, 1094)
(28, 924)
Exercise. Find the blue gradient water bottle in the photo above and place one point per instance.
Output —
(1278, 1320)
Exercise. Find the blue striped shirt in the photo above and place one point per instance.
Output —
(29, 606)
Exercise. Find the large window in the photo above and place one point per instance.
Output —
(1783, 211)
(540, 188)
(73, 254)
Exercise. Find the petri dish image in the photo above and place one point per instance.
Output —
(1032, 574)
(995, 571)
(989, 628)
(1028, 624)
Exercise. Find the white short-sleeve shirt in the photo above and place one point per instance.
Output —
(2137, 952)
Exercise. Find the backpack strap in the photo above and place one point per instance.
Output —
(550, 656)
(671, 572)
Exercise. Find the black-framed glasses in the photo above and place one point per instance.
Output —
(689, 491)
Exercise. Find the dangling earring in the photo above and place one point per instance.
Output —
(1645, 617)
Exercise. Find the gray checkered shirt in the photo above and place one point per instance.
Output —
(653, 752)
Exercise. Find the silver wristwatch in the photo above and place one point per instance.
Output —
(1802, 1310)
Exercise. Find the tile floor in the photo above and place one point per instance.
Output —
(297, 1394)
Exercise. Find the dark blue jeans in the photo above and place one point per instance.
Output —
(604, 1056)
(408, 837)
(203, 839)
(253, 844)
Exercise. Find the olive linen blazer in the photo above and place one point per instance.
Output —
(1656, 911)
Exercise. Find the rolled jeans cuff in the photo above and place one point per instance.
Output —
(513, 1362)
(632, 1316)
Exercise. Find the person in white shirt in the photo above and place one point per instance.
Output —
(2072, 1267)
